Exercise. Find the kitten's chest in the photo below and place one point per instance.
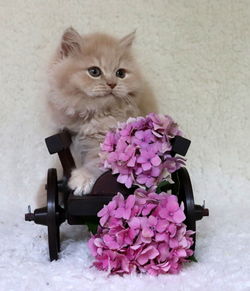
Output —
(97, 127)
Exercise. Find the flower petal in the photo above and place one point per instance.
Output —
(179, 216)
(146, 166)
(155, 161)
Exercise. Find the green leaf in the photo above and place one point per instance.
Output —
(92, 224)
(163, 186)
(193, 259)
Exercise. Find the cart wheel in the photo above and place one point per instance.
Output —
(185, 195)
(53, 211)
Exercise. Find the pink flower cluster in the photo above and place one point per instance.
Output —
(139, 150)
(143, 233)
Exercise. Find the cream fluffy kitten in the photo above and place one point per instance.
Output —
(94, 83)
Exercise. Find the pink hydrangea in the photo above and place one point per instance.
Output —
(143, 233)
(139, 150)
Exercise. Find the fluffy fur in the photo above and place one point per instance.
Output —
(89, 106)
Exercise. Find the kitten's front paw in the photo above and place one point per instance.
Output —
(81, 181)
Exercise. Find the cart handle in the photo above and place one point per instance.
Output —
(60, 143)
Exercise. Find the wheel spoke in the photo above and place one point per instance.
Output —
(52, 204)
(185, 195)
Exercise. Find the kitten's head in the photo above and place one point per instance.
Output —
(96, 66)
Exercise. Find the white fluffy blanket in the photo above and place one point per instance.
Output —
(222, 251)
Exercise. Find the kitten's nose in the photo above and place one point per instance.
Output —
(111, 85)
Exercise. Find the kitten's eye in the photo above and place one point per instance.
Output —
(121, 73)
(94, 71)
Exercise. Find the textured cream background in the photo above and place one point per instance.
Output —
(196, 56)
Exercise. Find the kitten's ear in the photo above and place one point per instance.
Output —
(70, 42)
(127, 40)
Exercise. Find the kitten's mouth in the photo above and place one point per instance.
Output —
(111, 93)
(103, 94)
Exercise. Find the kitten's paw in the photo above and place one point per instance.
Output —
(81, 181)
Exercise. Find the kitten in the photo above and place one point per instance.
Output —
(94, 83)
